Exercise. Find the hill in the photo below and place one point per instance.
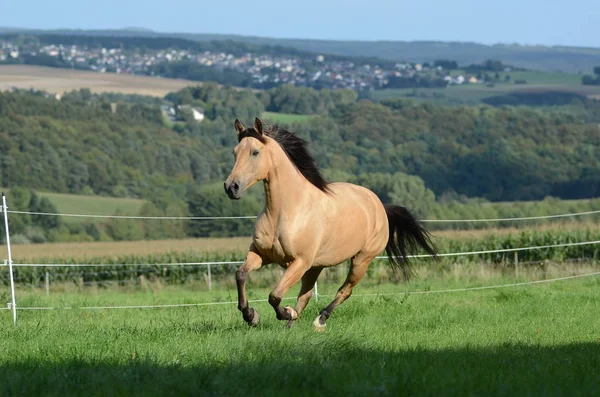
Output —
(548, 58)
(442, 162)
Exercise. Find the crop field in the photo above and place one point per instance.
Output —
(237, 246)
(55, 80)
(527, 340)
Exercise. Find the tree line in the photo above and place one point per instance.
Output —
(441, 161)
(592, 80)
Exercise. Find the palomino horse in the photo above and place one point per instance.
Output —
(309, 224)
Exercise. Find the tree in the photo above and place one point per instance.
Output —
(44, 205)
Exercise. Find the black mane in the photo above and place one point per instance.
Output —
(296, 149)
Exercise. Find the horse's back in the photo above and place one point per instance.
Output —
(353, 220)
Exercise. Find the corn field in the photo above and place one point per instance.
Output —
(133, 268)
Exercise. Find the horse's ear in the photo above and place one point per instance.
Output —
(258, 126)
(239, 127)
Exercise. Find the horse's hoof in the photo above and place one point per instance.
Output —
(289, 324)
(319, 326)
(255, 319)
(293, 314)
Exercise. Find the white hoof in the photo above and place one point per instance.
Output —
(319, 326)
(292, 312)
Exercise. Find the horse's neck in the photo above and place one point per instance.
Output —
(284, 187)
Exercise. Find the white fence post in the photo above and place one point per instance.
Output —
(209, 279)
(47, 279)
(316, 294)
(12, 305)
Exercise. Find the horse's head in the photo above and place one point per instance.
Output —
(251, 160)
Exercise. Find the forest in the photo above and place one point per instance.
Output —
(437, 160)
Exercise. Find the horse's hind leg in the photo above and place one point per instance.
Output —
(358, 268)
(306, 291)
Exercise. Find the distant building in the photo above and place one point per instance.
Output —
(197, 112)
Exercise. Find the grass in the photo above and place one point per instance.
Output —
(90, 205)
(286, 118)
(534, 340)
(474, 93)
(79, 204)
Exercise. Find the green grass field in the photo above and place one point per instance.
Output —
(79, 204)
(286, 118)
(523, 341)
(92, 205)
(474, 93)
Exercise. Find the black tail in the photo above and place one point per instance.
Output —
(405, 232)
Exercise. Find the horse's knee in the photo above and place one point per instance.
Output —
(240, 276)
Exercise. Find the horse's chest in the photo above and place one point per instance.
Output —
(274, 245)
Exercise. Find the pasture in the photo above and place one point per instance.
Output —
(90, 204)
(57, 81)
(527, 340)
(285, 118)
(474, 93)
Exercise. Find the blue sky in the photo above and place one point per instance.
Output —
(546, 22)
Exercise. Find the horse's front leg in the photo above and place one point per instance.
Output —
(253, 262)
(292, 275)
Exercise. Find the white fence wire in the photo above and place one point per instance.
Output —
(526, 218)
(423, 292)
(467, 253)
(12, 306)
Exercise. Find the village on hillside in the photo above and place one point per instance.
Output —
(264, 70)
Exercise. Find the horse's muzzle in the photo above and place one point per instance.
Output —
(233, 190)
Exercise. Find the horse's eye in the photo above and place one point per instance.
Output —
(255, 153)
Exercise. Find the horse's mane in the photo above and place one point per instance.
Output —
(295, 148)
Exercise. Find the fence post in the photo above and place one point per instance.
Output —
(12, 305)
(47, 284)
(209, 279)
(316, 294)
(516, 264)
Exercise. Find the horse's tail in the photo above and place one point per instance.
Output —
(405, 232)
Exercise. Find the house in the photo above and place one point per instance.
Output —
(459, 79)
(472, 80)
(197, 112)
(169, 113)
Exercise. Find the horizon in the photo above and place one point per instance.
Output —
(462, 21)
(140, 29)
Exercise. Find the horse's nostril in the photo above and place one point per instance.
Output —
(235, 187)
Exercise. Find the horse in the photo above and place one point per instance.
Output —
(308, 223)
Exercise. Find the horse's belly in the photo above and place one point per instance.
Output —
(338, 249)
